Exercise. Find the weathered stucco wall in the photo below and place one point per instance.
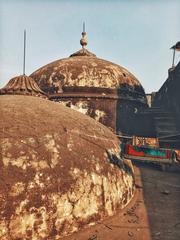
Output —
(118, 115)
(115, 108)
(102, 110)
(60, 171)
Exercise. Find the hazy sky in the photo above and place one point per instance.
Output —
(136, 34)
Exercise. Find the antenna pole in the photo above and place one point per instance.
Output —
(173, 57)
(84, 27)
(24, 57)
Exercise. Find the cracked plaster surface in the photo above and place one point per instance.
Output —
(55, 175)
(85, 72)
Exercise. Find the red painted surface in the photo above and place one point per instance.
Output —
(131, 150)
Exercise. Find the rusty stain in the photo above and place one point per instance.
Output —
(56, 176)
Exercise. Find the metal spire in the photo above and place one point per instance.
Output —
(84, 27)
(83, 40)
(24, 57)
(174, 51)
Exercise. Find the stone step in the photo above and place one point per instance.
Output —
(162, 113)
(169, 130)
(169, 140)
(164, 117)
(165, 123)
(166, 134)
(156, 110)
(172, 135)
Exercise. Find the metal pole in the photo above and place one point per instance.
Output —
(24, 58)
(173, 57)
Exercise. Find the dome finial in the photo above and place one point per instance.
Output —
(83, 40)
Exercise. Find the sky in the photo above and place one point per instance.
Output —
(136, 34)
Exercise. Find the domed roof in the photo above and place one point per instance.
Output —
(84, 69)
(60, 170)
(22, 85)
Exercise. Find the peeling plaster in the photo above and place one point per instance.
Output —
(57, 179)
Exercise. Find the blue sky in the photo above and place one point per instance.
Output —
(135, 34)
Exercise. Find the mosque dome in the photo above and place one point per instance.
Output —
(22, 85)
(60, 170)
(83, 69)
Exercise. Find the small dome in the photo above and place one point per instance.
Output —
(60, 170)
(22, 85)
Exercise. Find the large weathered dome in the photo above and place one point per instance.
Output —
(101, 89)
(84, 71)
(60, 170)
